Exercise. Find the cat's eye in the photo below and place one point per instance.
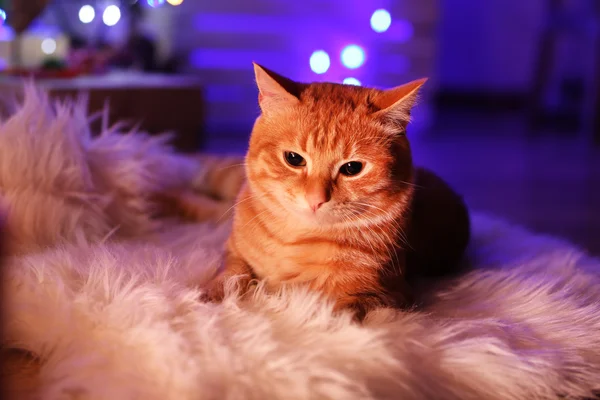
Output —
(294, 159)
(351, 168)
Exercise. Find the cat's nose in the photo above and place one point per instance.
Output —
(316, 198)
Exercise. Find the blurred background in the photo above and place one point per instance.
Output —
(510, 115)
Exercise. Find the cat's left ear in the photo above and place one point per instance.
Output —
(275, 91)
(395, 104)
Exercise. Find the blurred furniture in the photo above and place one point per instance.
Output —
(596, 114)
(21, 14)
(595, 109)
(568, 66)
(158, 103)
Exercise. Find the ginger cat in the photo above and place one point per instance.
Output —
(332, 199)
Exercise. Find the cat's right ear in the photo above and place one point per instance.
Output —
(275, 92)
(395, 104)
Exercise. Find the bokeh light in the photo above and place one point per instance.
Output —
(320, 62)
(86, 14)
(2, 16)
(381, 20)
(48, 46)
(111, 15)
(353, 56)
(351, 81)
(155, 3)
(174, 2)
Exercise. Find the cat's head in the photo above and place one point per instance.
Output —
(330, 153)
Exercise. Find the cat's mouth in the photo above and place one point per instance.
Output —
(304, 214)
(330, 215)
(309, 215)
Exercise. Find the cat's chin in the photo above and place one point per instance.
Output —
(310, 218)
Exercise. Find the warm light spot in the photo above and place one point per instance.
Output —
(174, 2)
(48, 46)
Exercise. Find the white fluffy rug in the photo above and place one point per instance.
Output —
(105, 297)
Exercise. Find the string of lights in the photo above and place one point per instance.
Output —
(111, 13)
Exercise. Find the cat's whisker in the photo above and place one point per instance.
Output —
(253, 218)
(372, 206)
(231, 166)
(395, 224)
(346, 229)
(254, 196)
(392, 218)
(383, 240)
(410, 184)
(404, 237)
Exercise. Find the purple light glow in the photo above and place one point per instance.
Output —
(402, 31)
(395, 64)
(235, 59)
(256, 23)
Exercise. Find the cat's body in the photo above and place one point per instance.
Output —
(330, 194)
(341, 262)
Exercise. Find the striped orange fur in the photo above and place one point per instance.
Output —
(343, 235)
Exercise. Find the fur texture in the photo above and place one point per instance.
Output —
(120, 318)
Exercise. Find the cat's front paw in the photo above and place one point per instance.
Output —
(214, 292)
(361, 305)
